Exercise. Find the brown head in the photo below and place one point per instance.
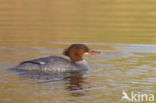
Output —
(76, 51)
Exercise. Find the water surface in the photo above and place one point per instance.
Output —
(123, 30)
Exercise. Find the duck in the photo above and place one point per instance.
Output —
(57, 64)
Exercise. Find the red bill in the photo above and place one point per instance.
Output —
(93, 52)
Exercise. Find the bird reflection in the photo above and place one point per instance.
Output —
(73, 81)
(75, 85)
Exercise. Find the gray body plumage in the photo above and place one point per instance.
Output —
(53, 64)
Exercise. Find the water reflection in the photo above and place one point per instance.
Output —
(122, 29)
(75, 85)
(119, 67)
(72, 81)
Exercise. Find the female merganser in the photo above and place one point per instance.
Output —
(59, 64)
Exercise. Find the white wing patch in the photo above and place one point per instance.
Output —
(42, 62)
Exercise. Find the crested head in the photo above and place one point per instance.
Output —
(75, 52)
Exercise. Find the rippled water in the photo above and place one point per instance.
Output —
(123, 30)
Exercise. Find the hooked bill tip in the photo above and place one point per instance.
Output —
(93, 52)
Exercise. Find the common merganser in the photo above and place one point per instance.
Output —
(59, 64)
